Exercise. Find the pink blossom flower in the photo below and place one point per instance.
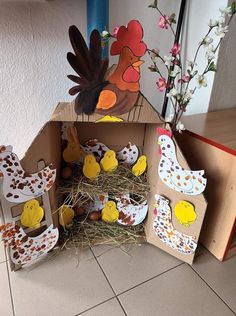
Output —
(163, 22)
(184, 79)
(115, 31)
(175, 50)
(161, 84)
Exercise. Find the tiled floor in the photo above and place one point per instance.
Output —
(110, 282)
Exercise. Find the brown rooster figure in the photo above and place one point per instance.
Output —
(116, 94)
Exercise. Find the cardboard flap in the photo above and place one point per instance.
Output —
(158, 187)
(143, 112)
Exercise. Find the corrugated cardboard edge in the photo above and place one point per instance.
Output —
(220, 167)
(142, 112)
(157, 187)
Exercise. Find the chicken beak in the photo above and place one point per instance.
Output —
(137, 64)
(159, 142)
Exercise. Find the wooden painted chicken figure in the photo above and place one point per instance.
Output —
(18, 185)
(165, 230)
(25, 249)
(172, 174)
(116, 93)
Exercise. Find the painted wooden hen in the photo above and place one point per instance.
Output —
(172, 174)
(25, 249)
(18, 185)
(117, 93)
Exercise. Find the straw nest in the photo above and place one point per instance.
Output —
(80, 191)
(85, 233)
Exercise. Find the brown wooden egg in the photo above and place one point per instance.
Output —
(66, 173)
(79, 210)
(94, 216)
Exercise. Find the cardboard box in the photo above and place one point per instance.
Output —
(219, 228)
(139, 127)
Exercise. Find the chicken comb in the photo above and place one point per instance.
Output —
(163, 131)
(129, 36)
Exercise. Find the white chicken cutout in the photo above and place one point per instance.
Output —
(172, 174)
(165, 230)
(18, 185)
(129, 154)
(95, 147)
(25, 249)
(131, 214)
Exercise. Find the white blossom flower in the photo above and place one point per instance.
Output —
(213, 23)
(175, 72)
(206, 41)
(105, 33)
(202, 81)
(169, 118)
(221, 30)
(172, 93)
(226, 11)
(180, 127)
(168, 60)
(188, 96)
(210, 53)
(191, 63)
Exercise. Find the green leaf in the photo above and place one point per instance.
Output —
(172, 18)
(153, 5)
(212, 67)
(233, 7)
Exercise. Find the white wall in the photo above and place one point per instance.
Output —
(196, 24)
(33, 65)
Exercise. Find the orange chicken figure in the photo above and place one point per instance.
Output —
(117, 93)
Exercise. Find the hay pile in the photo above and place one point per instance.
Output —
(118, 183)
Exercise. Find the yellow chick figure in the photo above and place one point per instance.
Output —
(109, 163)
(73, 152)
(110, 214)
(66, 215)
(140, 166)
(91, 167)
(185, 213)
(32, 214)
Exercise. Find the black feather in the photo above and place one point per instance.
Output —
(81, 81)
(79, 45)
(103, 69)
(95, 52)
(74, 90)
(91, 70)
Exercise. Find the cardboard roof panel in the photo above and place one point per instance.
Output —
(142, 112)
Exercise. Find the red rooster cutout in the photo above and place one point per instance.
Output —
(117, 92)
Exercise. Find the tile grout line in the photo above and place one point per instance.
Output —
(208, 285)
(10, 289)
(108, 281)
(150, 279)
(90, 308)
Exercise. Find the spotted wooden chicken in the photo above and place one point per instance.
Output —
(18, 185)
(25, 249)
(172, 174)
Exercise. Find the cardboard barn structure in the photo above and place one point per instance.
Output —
(139, 127)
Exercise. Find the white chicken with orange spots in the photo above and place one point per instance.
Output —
(172, 174)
